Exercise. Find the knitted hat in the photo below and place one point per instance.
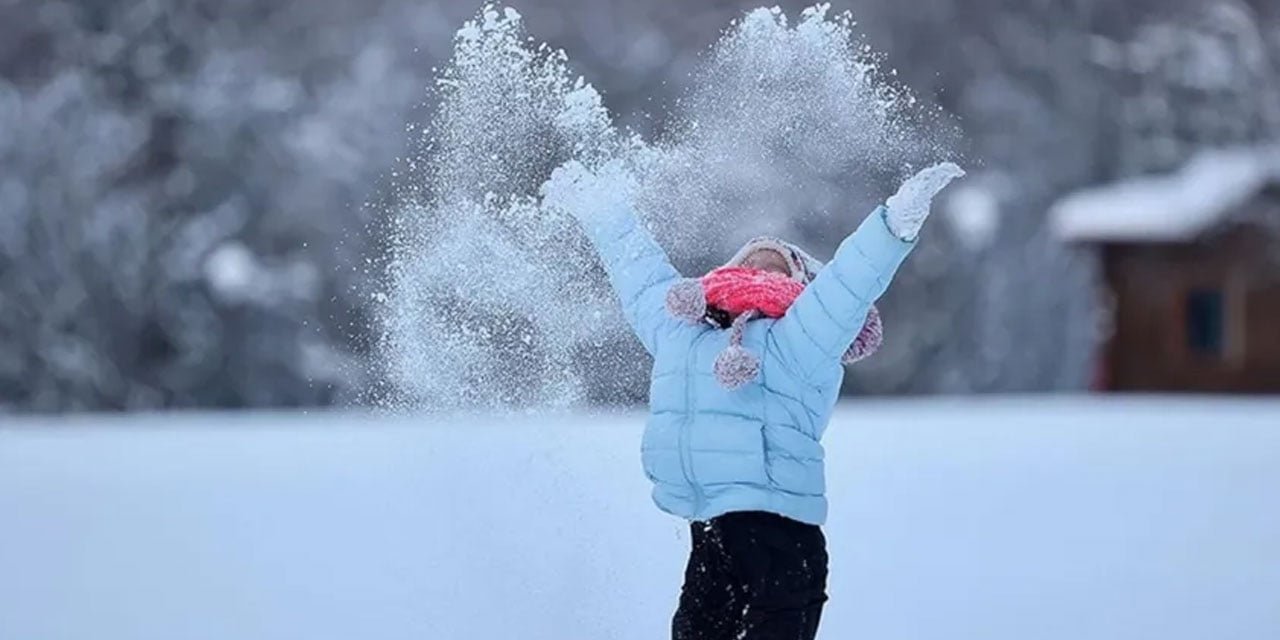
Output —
(731, 296)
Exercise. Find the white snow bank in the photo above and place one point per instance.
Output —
(991, 520)
(1174, 207)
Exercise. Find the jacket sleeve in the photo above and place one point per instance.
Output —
(638, 269)
(825, 319)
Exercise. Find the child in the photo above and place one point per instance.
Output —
(747, 369)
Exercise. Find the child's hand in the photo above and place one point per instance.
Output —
(583, 193)
(909, 207)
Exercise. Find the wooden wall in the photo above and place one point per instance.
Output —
(1149, 284)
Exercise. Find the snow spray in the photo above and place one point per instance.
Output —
(496, 303)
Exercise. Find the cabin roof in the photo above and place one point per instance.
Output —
(1174, 207)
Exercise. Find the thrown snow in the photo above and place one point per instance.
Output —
(779, 118)
(1174, 207)
(985, 519)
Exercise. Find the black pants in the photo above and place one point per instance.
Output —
(753, 576)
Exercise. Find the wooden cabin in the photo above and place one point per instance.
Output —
(1191, 275)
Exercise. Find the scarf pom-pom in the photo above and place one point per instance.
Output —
(868, 340)
(735, 366)
(686, 300)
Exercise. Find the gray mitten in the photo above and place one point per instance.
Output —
(909, 207)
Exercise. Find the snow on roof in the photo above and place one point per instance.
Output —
(1168, 208)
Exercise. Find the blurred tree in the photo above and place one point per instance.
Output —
(181, 195)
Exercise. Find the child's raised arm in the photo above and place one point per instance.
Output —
(638, 268)
(828, 315)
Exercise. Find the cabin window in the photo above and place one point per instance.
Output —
(1206, 322)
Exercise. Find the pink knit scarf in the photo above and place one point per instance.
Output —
(740, 289)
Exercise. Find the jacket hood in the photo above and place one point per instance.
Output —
(804, 267)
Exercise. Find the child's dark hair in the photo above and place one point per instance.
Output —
(719, 317)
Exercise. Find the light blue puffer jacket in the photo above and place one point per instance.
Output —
(710, 450)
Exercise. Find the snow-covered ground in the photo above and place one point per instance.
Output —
(1032, 519)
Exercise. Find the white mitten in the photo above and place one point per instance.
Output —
(909, 207)
(585, 194)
